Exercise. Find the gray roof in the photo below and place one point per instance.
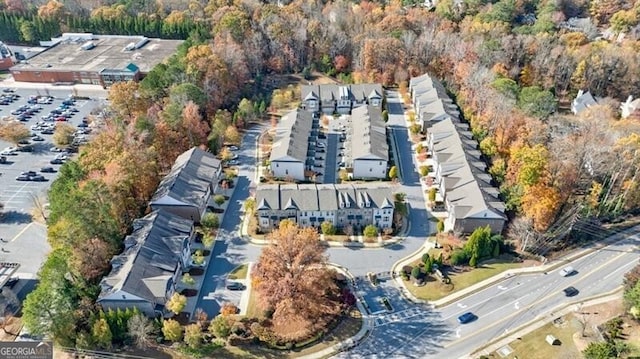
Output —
(191, 174)
(152, 255)
(323, 197)
(369, 135)
(330, 92)
(362, 92)
(467, 186)
(291, 142)
(67, 55)
(309, 92)
(304, 197)
(268, 197)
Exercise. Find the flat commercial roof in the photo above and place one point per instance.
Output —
(108, 53)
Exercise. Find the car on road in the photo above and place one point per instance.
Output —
(22, 178)
(235, 286)
(467, 317)
(567, 271)
(570, 291)
(37, 178)
(47, 170)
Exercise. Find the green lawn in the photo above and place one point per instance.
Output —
(253, 309)
(435, 290)
(239, 272)
(534, 346)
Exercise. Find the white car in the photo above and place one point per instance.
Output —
(567, 271)
(232, 148)
(233, 163)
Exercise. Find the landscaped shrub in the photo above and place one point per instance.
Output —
(424, 170)
(370, 231)
(432, 194)
(416, 272)
(459, 257)
(210, 220)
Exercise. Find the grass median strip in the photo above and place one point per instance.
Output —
(239, 272)
(435, 289)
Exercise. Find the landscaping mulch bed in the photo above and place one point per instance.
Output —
(189, 292)
(196, 271)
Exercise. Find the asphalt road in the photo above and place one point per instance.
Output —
(231, 249)
(421, 332)
(330, 170)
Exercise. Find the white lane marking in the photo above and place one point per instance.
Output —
(501, 287)
(458, 333)
(517, 305)
(460, 305)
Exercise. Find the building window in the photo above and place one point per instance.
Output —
(277, 165)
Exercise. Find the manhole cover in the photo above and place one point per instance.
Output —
(505, 351)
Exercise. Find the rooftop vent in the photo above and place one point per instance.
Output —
(130, 46)
(88, 46)
(141, 43)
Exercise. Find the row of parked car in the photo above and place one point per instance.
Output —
(8, 98)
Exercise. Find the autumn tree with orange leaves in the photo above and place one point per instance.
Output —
(292, 279)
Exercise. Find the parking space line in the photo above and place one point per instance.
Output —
(22, 231)
(12, 197)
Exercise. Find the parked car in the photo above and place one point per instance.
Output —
(233, 163)
(47, 131)
(28, 173)
(22, 178)
(235, 286)
(56, 149)
(467, 317)
(83, 125)
(37, 178)
(233, 148)
(567, 271)
(47, 170)
(11, 282)
(37, 138)
(56, 161)
(570, 291)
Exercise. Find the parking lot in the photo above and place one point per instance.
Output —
(23, 240)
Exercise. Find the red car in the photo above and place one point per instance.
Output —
(60, 118)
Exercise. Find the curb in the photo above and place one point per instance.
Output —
(538, 322)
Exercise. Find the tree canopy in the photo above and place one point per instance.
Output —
(291, 277)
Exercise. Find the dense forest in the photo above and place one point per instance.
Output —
(512, 66)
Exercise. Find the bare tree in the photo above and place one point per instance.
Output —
(140, 328)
